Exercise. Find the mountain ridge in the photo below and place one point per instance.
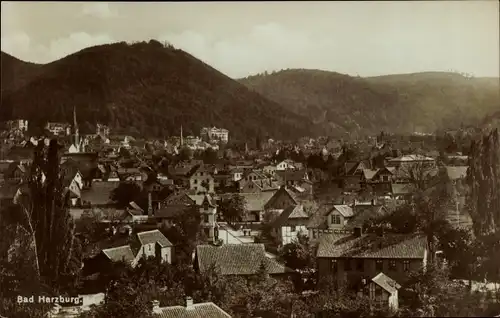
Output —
(145, 88)
(399, 103)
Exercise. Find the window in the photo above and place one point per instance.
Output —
(406, 266)
(195, 181)
(336, 219)
(206, 218)
(347, 265)
(334, 265)
(392, 265)
(379, 265)
(385, 178)
(292, 228)
(360, 264)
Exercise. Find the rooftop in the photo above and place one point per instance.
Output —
(372, 246)
(237, 259)
(201, 310)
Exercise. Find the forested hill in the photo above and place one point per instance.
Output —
(146, 88)
(346, 105)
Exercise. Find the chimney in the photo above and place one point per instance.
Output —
(150, 205)
(156, 306)
(189, 302)
(357, 231)
(374, 201)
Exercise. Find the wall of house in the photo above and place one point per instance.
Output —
(336, 226)
(378, 295)
(289, 233)
(369, 270)
(394, 301)
(166, 254)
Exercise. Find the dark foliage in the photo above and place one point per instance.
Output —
(346, 105)
(142, 88)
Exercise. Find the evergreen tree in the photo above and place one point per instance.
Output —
(46, 211)
(484, 182)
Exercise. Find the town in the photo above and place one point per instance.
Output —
(316, 213)
(293, 159)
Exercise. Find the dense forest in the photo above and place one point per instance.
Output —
(146, 88)
(341, 104)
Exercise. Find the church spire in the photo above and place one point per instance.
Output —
(77, 131)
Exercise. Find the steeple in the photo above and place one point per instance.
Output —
(77, 131)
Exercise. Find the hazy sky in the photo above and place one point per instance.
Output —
(243, 38)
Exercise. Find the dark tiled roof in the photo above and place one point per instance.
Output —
(170, 211)
(202, 310)
(99, 193)
(121, 253)
(292, 175)
(364, 213)
(372, 246)
(236, 259)
(178, 198)
(154, 236)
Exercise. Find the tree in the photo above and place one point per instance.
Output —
(126, 192)
(431, 293)
(233, 208)
(301, 256)
(184, 154)
(484, 183)
(45, 207)
(209, 156)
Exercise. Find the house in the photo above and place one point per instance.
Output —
(141, 245)
(191, 310)
(236, 174)
(291, 222)
(285, 197)
(350, 258)
(259, 186)
(383, 292)
(352, 174)
(254, 204)
(407, 161)
(292, 177)
(380, 180)
(208, 212)
(286, 165)
(237, 260)
(329, 217)
(15, 172)
(402, 191)
(202, 180)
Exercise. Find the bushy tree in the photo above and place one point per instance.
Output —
(126, 192)
(233, 208)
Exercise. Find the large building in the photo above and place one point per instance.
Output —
(214, 133)
(20, 124)
(58, 128)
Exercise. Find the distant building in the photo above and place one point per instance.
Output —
(17, 124)
(214, 133)
(58, 128)
(102, 130)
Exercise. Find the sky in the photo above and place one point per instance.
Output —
(246, 38)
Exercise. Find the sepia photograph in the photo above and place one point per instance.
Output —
(250, 159)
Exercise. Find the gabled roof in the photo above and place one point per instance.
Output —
(254, 201)
(410, 158)
(369, 173)
(283, 191)
(345, 210)
(121, 253)
(372, 246)
(265, 185)
(318, 218)
(201, 310)
(387, 283)
(153, 236)
(237, 259)
(207, 199)
(180, 197)
(292, 212)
